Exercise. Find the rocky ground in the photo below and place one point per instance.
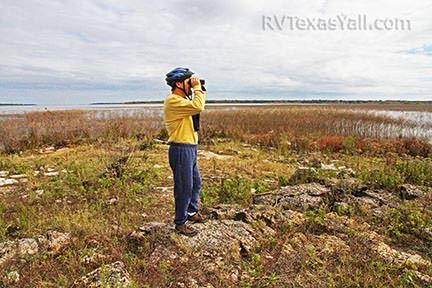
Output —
(93, 216)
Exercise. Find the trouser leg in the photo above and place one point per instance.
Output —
(181, 162)
(196, 187)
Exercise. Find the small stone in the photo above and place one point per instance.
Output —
(234, 276)
(112, 201)
(423, 277)
(39, 192)
(93, 258)
(303, 175)
(328, 167)
(112, 275)
(18, 176)
(47, 150)
(51, 174)
(4, 173)
(428, 232)
(7, 182)
(164, 189)
(27, 246)
(13, 276)
(410, 192)
(57, 241)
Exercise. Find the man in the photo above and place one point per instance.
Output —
(183, 140)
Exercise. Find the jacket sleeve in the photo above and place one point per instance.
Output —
(182, 107)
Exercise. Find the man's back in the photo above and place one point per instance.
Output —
(178, 113)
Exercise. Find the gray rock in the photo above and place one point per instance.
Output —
(427, 232)
(395, 256)
(303, 175)
(12, 277)
(230, 229)
(18, 248)
(225, 236)
(298, 197)
(112, 275)
(7, 182)
(53, 242)
(410, 192)
(215, 237)
(328, 167)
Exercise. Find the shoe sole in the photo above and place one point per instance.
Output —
(189, 235)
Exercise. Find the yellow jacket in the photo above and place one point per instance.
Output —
(178, 113)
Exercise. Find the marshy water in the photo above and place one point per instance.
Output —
(415, 123)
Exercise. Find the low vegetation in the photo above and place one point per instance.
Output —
(99, 176)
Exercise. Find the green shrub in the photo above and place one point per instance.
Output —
(418, 172)
(407, 219)
(343, 209)
(283, 181)
(235, 190)
(349, 144)
(385, 179)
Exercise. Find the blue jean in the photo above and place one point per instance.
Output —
(187, 180)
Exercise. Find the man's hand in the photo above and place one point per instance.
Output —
(195, 82)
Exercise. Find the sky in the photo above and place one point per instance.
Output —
(84, 51)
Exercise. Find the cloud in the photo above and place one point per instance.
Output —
(121, 50)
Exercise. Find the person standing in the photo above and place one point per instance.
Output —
(181, 118)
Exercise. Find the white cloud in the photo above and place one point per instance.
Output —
(121, 50)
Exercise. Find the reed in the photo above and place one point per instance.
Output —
(309, 127)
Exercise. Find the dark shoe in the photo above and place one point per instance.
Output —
(185, 230)
(197, 218)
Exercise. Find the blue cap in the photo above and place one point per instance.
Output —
(177, 75)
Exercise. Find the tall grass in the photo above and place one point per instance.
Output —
(60, 128)
(300, 127)
(303, 121)
(316, 128)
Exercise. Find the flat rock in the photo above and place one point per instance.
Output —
(303, 175)
(410, 192)
(52, 242)
(18, 176)
(112, 275)
(215, 237)
(7, 182)
(224, 236)
(229, 228)
(396, 256)
(300, 197)
(211, 155)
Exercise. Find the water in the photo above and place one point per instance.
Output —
(416, 123)
(35, 108)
